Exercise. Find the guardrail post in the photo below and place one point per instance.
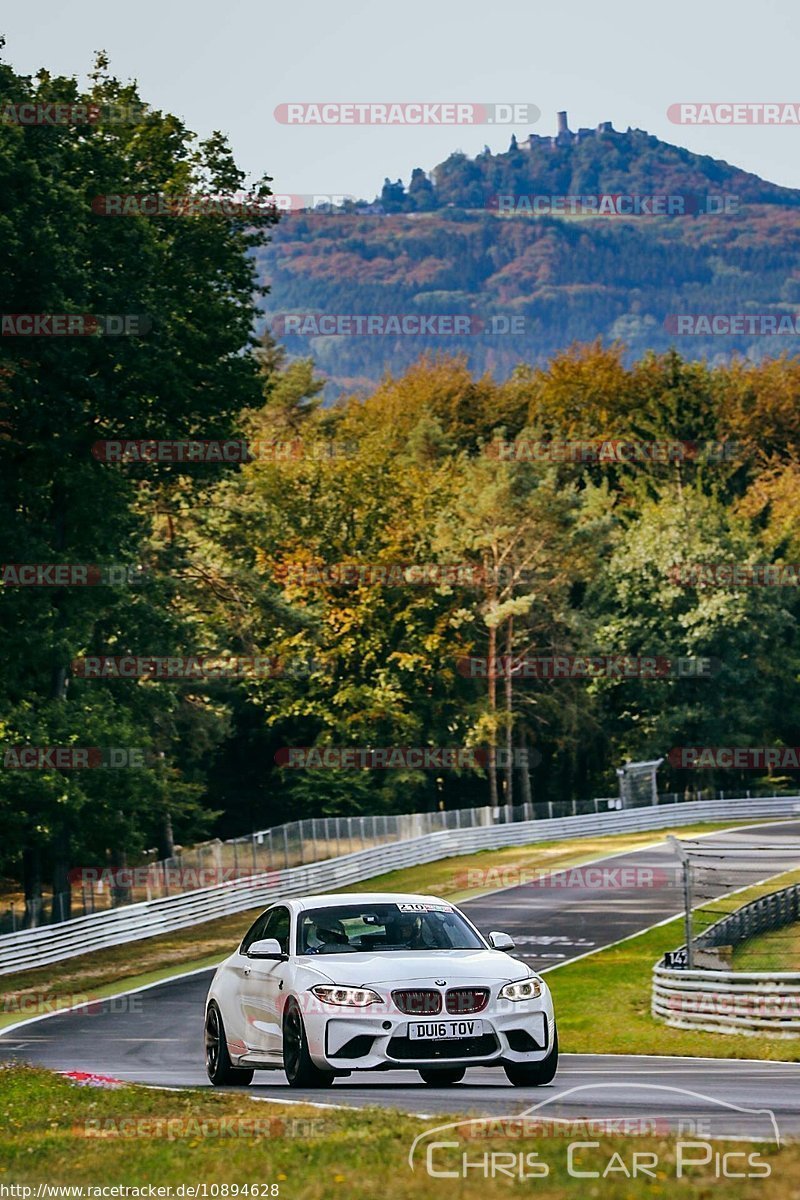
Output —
(687, 898)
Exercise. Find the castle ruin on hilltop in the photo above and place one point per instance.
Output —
(565, 136)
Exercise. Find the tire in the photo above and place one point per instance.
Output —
(442, 1076)
(534, 1074)
(219, 1067)
(297, 1063)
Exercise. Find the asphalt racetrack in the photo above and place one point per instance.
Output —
(156, 1036)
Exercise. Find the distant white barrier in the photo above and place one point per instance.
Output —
(720, 1000)
(51, 943)
(755, 1002)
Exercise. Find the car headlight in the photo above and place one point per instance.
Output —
(523, 989)
(352, 997)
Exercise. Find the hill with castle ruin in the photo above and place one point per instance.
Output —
(595, 233)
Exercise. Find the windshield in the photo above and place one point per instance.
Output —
(366, 929)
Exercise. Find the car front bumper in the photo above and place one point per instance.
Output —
(521, 1034)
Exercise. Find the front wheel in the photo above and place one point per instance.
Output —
(534, 1074)
(219, 1067)
(442, 1076)
(300, 1070)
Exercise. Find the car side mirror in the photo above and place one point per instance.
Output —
(266, 948)
(501, 941)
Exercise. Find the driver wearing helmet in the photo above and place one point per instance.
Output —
(406, 930)
(326, 931)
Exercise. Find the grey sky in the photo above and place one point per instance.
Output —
(227, 65)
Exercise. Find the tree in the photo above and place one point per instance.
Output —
(641, 607)
(532, 540)
(190, 280)
(421, 192)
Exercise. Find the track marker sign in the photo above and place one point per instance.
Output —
(676, 958)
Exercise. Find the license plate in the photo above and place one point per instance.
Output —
(443, 1030)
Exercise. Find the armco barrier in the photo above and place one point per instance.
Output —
(758, 1003)
(730, 1001)
(773, 911)
(51, 943)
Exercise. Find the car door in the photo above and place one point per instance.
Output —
(264, 986)
(229, 988)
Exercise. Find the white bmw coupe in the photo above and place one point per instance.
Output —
(326, 985)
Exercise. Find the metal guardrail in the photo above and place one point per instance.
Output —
(52, 943)
(729, 1001)
(296, 843)
(316, 839)
(293, 844)
(757, 1003)
(759, 916)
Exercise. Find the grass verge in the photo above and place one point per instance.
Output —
(778, 950)
(603, 1001)
(59, 1134)
(103, 973)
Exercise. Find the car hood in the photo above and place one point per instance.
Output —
(393, 968)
